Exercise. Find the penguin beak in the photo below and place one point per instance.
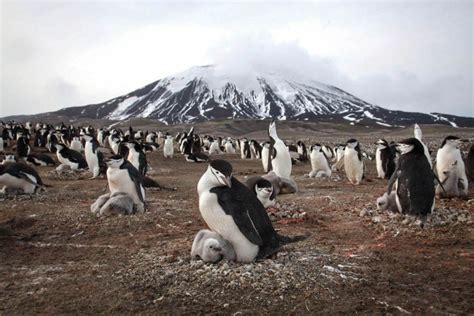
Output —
(228, 181)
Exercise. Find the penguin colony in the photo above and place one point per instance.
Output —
(234, 211)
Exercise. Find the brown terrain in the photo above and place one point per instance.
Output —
(59, 258)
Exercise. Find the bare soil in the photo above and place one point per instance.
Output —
(56, 257)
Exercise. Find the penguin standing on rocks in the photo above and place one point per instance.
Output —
(70, 157)
(15, 175)
(319, 163)
(280, 159)
(245, 151)
(265, 155)
(413, 180)
(137, 157)
(23, 147)
(353, 163)
(384, 159)
(122, 176)
(40, 160)
(449, 162)
(230, 209)
(168, 149)
(94, 157)
(263, 189)
(229, 146)
(302, 151)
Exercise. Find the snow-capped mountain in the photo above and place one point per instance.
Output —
(205, 93)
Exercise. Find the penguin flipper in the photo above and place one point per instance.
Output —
(392, 180)
(136, 178)
(241, 214)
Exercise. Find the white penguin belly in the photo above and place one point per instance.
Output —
(168, 149)
(282, 162)
(91, 158)
(119, 181)
(378, 163)
(18, 183)
(225, 226)
(353, 166)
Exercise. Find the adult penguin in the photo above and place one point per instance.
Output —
(413, 180)
(319, 163)
(449, 161)
(384, 159)
(15, 175)
(230, 209)
(23, 147)
(168, 148)
(94, 157)
(137, 157)
(266, 156)
(353, 163)
(263, 189)
(302, 151)
(122, 176)
(70, 157)
(280, 159)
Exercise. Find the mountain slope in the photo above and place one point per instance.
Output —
(204, 93)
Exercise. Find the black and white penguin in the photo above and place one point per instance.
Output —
(193, 157)
(353, 163)
(263, 189)
(137, 157)
(76, 144)
(209, 246)
(413, 179)
(265, 155)
(70, 157)
(339, 149)
(256, 149)
(245, 151)
(279, 154)
(229, 146)
(384, 159)
(214, 146)
(319, 163)
(122, 176)
(23, 147)
(94, 157)
(230, 209)
(168, 148)
(40, 160)
(302, 151)
(449, 161)
(15, 175)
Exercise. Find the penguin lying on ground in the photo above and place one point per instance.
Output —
(230, 209)
(387, 202)
(117, 203)
(211, 247)
(15, 175)
(263, 189)
(70, 157)
(40, 160)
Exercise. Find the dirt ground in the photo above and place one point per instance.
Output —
(56, 257)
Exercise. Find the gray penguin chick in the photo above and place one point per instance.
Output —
(211, 247)
(387, 202)
(101, 200)
(119, 203)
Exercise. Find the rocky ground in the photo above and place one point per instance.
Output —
(58, 258)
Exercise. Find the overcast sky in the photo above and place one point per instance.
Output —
(406, 55)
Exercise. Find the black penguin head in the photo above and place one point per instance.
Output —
(221, 170)
(453, 141)
(352, 143)
(114, 161)
(263, 186)
(316, 147)
(381, 143)
(410, 145)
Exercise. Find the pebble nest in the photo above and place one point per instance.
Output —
(403, 223)
(272, 280)
(66, 174)
(286, 211)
